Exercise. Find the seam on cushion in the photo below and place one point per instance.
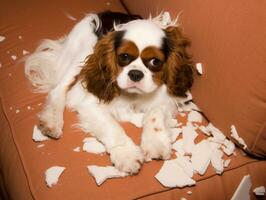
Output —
(167, 190)
(125, 7)
(257, 138)
(18, 150)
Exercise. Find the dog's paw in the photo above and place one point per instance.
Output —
(51, 124)
(156, 145)
(127, 158)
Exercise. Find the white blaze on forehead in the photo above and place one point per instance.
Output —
(143, 33)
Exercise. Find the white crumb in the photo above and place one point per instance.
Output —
(0, 65)
(199, 68)
(8, 52)
(185, 164)
(101, 174)
(17, 111)
(14, 57)
(183, 198)
(194, 116)
(40, 145)
(70, 17)
(189, 192)
(175, 132)
(9, 74)
(77, 149)
(227, 162)
(20, 37)
(204, 130)
(229, 147)
(39, 104)
(217, 161)
(235, 135)
(2, 38)
(37, 135)
(108, 3)
(189, 136)
(178, 146)
(172, 175)
(28, 107)
(52, 175)
(92, 145)
(216, 133)
(201, 156)
(259, 191)
(182, 114)
(10, 108)
(25, 52)
(242, 191)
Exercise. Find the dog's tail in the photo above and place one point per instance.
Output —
(45, 66)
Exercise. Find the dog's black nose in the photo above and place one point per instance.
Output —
(135, 75)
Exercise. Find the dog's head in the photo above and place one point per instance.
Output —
(138, 57)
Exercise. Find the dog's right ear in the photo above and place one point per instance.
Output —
(100, 71)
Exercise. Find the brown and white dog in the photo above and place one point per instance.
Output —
(137, 72)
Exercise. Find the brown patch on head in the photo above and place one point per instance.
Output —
(99, 73)
(126, 53)
(178, 74)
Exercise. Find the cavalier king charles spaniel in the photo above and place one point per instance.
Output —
(115, 67)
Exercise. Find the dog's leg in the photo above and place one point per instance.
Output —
(155, 141)
(94, 118)
(77, 46)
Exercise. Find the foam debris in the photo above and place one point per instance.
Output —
(52, 175)
(172, 175)
(199, 68)
(216, 133)
(92, 145)
(227, 162)
(13, 57)
(242, 191)
(194, 116)
(189, 135)
(259, 191)
(178, 147)
(101, 174)
(2, 38)
(235, 135)
(37, 135)
(217, 161)
(77, 149)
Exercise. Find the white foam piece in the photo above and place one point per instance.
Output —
(2, 38)
(217, 161)
(172, 175)
(178, 146)
(37, 135)
(189, 192)
(259, 191)
(183, 198)
(25, 52)
(201, 156)
(20, 37)
(204, 130)
(185, 164)
(194, 116)
(216, 133)
(227, 162)
(77, 149)
(199, 68)
(13, 57)
(242, 191)
(214, 144)
(40, 145)
(17, 111)
(229, 147)
(92, 145)
(175, 132)
(235, 135)
(52, 175)
(70, 17)
(189, 135)
(101, 174)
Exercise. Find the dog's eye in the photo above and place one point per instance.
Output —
(124, 59)
(155, 62)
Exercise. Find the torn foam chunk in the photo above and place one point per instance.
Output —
(52, 175)
(2, 38)
(259, 191)
(14, 57)
(92, 145)
(189, 192)
(175, 132)
(189, 135)
(183, 198)
(101, 174)
(185, 164)
(199, 68)
(217, 161)
(172, 175)
(204, 130)
(216, 133)
(242, 191)
(178, 146)
(25, 52)
(77, 149)
(229, 147)
(227, 162)
(201, 156)
(37, 135)
(40, 145)
(194, 116)
(235, 135)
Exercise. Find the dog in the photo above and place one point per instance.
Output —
(135, 70)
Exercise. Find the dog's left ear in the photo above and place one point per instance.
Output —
(179, 70)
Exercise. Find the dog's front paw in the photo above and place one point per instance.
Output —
(127, 158)
(51, 123)
(156, 145)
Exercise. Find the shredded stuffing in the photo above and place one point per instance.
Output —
(235, 135)
(242, 191)
(2, 38)
(92, 145)
(199, 68)
(259, 191)
(37, 135)
(52, 175)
